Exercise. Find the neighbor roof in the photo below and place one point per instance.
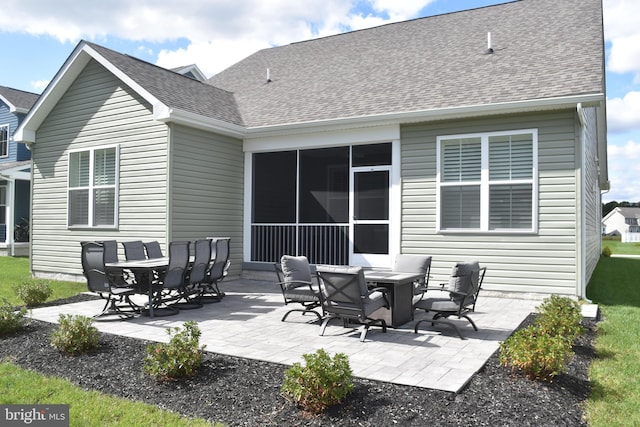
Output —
(18, 100)
(543, 49)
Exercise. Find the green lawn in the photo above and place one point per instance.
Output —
(615, 396)
(617, 247)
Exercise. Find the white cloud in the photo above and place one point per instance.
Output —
(623, 114)
(39, 85)
(624, 172)
(622, 30)
(218, 32)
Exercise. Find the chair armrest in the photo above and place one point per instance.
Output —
(384, 292)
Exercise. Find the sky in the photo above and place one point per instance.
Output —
(214, 34)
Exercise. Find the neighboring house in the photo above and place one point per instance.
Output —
(621, 221)
(15, 171)
(411, 137)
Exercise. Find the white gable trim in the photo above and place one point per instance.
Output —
(13, 108)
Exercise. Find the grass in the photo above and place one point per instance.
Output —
(96, 409)
(15, 271)
(617, 247)
(86, 408)
(616, 390)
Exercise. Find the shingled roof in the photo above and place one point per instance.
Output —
(541, 49)
(18, 100)
(173, 89)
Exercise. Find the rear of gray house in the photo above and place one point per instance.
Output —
(412, 137)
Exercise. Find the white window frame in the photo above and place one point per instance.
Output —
(484, 183)
(6, 142)
(91, 187)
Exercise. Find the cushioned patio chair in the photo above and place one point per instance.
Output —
(297, 285)
(218, 269)
(415, 264)
(345, 296)
(463, 288)
(106, 283)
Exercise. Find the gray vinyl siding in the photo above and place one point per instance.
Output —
(207, 188)
(593, 202)
(544, 262)
(97, 110)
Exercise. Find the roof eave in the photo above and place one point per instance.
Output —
(466, 111)
(187, 118)
(67, 74)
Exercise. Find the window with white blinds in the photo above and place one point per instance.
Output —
(486, 182)
(93, 177)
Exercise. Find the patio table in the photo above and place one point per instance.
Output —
(400, 292)
(144, 268)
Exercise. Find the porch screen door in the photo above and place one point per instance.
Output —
(370, 219)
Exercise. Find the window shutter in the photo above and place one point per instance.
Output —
(104, 167)
(510, 206)
(460, 207)
(510, 157)
(79, 169)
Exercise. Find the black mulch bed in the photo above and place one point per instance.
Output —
(242, 392)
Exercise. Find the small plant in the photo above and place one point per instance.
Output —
(33, 292)
(180, 358)
(75, 335)
(560, 316)
(606, 251)
(321, 383)
(535, 353)
(10, 319)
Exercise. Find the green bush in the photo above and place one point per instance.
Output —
(606, 251)
(540, 351)
(180, 358)
(321, 383)
(535, 353)
(75, 335)
(33, 292)
(560, 316)
(10, 319)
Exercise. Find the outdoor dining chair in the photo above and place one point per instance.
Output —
(345, 296)
(298, 286)
(153, 249)
(134, 251)
(105, 284)
(218, 269)
(190, 294)
(173, 280)
(463, 289)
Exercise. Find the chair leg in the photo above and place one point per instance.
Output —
(303, 311)
(433, 321)
(325, 323)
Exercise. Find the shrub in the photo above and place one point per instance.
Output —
(606, 251)
(180, 358)
(10, 319)
(33, 292)
(75, 335)
(321, 383)
(535, 353)
(560, 316)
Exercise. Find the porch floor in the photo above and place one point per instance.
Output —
(246, 323)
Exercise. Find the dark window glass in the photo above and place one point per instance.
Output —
(324, 185)
(371, 155)
(371, 239)
(274, 187)
(372, 195)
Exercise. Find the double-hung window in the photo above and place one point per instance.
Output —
(487, 182)
(93, 183)
(4, 140)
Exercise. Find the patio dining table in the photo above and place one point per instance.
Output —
(145, 269)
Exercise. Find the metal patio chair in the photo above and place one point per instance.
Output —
(463, 289)
(298, 286)
(218, 269)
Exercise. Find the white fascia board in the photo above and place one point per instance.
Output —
(164, 114)
(63, 79)
(432, 115)
(13, 108)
